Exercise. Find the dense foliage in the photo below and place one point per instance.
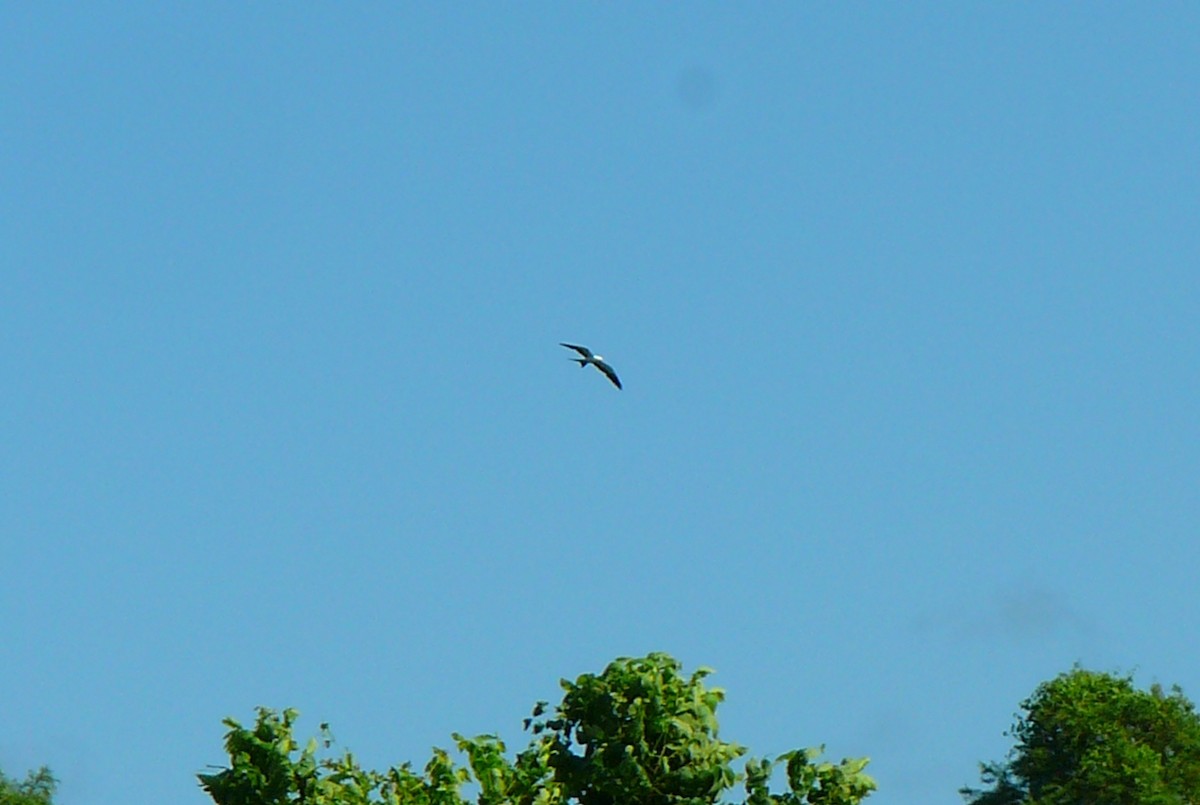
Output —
(1089, 737)
(640, 733)
(36, 789)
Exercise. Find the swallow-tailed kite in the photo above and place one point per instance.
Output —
(594, 360)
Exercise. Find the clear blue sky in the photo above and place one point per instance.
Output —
(905, 298)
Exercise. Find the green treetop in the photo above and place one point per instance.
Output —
(36, 789)
(640, 733)
(1093, 738)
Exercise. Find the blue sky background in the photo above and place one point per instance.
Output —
(904, 297)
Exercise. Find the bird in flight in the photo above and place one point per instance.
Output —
(594, 360)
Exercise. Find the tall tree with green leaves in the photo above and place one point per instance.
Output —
(36, 789)
(640, 733)
(1088, 737)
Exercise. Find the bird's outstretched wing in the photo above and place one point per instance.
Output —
(584, 351)
(609, 373)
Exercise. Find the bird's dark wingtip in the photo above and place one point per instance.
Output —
(582, 350)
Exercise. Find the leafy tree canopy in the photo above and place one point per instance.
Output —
(1088, 737)
(640, 733)
(36, 789)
